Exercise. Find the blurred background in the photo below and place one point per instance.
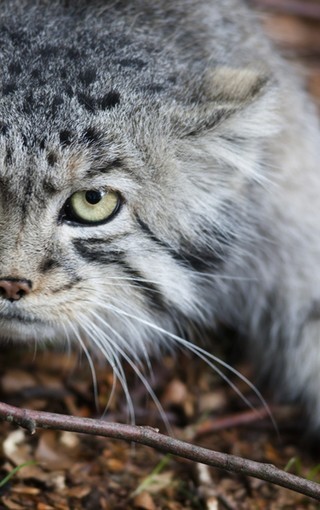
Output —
(294, 26)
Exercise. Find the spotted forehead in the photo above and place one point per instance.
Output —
(54, 164)
(51, 57)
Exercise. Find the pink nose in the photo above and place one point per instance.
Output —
(14, 289)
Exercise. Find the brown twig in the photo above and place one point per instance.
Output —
(31, 420)
(234, 420)
(295, 7)
(287, 414)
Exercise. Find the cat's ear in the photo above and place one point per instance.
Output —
(234, 86)
(223, 93)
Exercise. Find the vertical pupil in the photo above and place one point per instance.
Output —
(93, 197)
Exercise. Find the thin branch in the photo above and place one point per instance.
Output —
(295, 7)
(234, 420)
(286, 414)
(31, 420)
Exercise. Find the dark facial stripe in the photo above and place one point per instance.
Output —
(201, 258)
(88, 251)
(116, 163)
(193, 258)
(67, 286)
(100, 168)
(147, 230)
(96, 241)
(74, 280)
(150, 290)
(48, 264)
(27, 193)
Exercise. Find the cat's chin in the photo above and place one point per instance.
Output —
(21, 331)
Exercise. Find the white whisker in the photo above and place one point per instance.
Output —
(125, 278)
(99, 342)
(68, 340)
(200, 352)
(82, 322)
(90, 362)
(136, 370)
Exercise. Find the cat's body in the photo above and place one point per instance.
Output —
(206, 151)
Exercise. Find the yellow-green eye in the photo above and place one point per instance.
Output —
(92, 207)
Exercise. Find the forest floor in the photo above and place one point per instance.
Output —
(73, 471)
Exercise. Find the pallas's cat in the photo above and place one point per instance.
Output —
(159, 167)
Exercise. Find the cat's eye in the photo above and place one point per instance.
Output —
(91, 207)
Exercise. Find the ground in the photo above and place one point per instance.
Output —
(72, 471)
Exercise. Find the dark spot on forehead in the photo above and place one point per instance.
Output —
(91, 135)
(68, 90)
(56, 102)
(49, 51)
(28, 103)
(65, 137)
(153, 87)
(14, 68)
(8, 156)
(35, 73)
(42, 143)
(87, 101)
(52, 158)
(73, 53)
(17, 36)
(136, 63)
(88, 76)
(8, 88)
(4, 128)
(64, 72)
(109, 100)
(172, 79)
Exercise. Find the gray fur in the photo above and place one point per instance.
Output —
(184, 109)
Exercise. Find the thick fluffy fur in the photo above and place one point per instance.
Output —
(186, 111)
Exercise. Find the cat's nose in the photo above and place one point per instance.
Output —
(14, 289)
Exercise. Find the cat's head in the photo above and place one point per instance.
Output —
(121, 205)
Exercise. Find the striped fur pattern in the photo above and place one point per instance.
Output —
(185, 110)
